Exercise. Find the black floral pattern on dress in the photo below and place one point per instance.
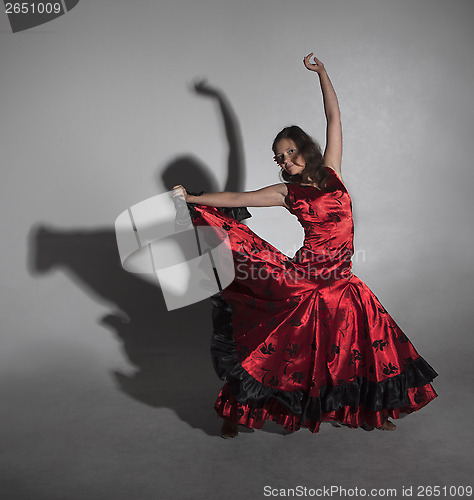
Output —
(418, 397)
(401, 337)
(274, 381)
(355, 356)
(379, 344)
(382, 309)
(292, 349)
(390, 369)
(267, 349)
(254, 248)
(287, 364)
(333, 217)
(297, 377)
(311, 211)
(294, 302)
(337, 195)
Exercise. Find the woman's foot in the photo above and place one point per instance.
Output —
(386, 426)
(229, 429)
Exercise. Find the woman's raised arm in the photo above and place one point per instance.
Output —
(333, 151)
(270, 196)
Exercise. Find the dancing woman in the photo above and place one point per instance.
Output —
(310, 342)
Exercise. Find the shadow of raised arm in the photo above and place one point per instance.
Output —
(235, 180)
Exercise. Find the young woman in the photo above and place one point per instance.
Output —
(310, 341)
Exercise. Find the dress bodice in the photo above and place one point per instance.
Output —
(326, 217)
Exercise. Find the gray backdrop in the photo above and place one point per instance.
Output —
(105, 394)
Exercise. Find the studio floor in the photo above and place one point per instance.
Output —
(73, 429)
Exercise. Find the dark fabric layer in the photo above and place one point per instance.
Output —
(375, 396)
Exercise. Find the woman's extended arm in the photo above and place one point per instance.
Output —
(270, 196)
(333, 151)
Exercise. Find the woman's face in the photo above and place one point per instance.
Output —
(287, 156)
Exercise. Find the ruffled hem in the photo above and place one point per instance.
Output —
(254, 418)
(360, 401)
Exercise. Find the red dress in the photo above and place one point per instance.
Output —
(308, 341)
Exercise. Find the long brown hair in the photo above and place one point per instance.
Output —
(314, 171)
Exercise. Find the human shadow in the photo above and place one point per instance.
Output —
(201, 178)
(169, 350)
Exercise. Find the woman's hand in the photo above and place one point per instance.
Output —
(317, 66)
(179, 193)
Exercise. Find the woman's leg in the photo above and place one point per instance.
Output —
(229, 429)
